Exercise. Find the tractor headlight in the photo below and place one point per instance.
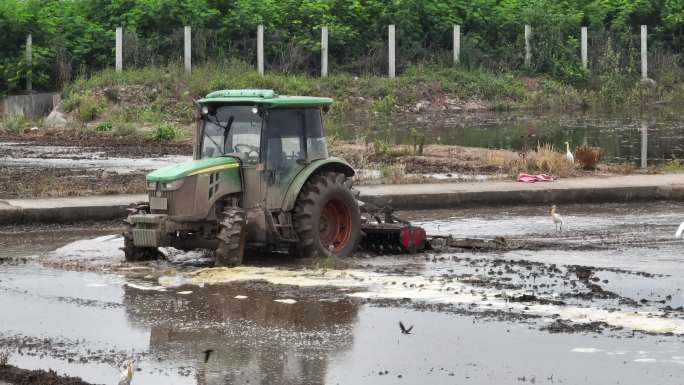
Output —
(170, 186)
(151, 186)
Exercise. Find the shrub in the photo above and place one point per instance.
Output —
(165, 131)
(622, 168)
(104, 126)
(124, 129)
(385, 105)
(674, 165)
(418, 140)
(547, 159)
(71, 102)
(88, 108)
(4, 358)
(394, 173)
(588, 157)
(380, 147)
(14, 124)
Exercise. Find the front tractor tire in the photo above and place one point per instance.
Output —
(133, 253)
(326, 217)
(231, 236)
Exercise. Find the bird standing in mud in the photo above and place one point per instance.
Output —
(568, 154)
(403, 328)
(680, 229)
(127, 376)
(557, 219)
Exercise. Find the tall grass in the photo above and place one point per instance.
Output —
(167, 93)
(14, 124)
(547, 159)
(169, 87)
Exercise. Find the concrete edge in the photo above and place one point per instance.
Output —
(10, 214)
(527, 197)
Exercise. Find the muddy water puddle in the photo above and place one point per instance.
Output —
(330, 338)
(526, 315)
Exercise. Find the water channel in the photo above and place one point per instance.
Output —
(622, 135)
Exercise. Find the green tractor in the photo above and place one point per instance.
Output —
(260, 177)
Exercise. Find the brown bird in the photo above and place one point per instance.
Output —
(403, 328)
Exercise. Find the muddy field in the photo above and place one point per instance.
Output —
(73, 162)
(600, 302)
(61, 164)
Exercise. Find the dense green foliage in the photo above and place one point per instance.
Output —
(77, 36)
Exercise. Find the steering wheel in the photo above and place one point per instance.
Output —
(250, 149)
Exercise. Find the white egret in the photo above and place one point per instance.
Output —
(680, 229)
(557, 219)
(127, 376)
(568, 154)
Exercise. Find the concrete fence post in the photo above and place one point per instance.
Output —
(260, 49)
(528, 47)
(119, 49)
(391, 51)
(644, 145)
(187, 48)
(29, 63)
(457, 44)
(324, 51)
(585, 55)
(644, 50)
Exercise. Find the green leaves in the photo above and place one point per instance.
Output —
(77, 36)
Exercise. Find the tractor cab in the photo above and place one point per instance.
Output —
(275, 137)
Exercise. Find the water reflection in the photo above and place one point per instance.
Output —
(255, 340)
(622, 135)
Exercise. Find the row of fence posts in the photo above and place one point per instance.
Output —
(391, 50)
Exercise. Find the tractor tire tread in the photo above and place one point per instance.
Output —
(231, 236)
(315, 189)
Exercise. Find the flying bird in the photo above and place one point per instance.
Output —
(207, 354)
(680, 229)
(557, 219)
(568, 154)
(403, 328)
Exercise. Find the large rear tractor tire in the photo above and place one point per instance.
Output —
(231, 236)
(133, 253)
(326, 217)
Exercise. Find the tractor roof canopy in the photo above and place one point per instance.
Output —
(268, 98)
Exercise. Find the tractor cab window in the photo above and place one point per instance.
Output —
(232, 129)
(315, 141)
(287, 129)
(285, 144)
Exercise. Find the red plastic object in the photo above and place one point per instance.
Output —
(527, 178)
(413, 238)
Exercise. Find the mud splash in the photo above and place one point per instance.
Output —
(418, 286)
(434, 290)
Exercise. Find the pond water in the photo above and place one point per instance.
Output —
(621, 134)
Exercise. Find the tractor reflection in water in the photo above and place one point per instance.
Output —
(253, 338)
